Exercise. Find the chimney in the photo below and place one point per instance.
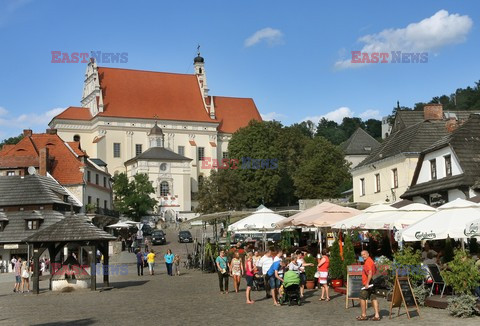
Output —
(27, 132)
(433, 112)
(43, 161)
(50, 131)
(451, 125)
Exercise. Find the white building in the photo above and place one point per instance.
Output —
(121, 106)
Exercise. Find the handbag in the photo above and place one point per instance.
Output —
(25, 274)
(317, 274)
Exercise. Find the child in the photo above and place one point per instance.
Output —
(176, 264)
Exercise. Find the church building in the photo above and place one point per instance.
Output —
(159, 123)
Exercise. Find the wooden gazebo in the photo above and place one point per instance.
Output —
(71, 229)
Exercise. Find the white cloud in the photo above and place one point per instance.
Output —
(13, 125)
(342, 112)
(269, 35)
(273, 116)
(370, 114)
(429, 34)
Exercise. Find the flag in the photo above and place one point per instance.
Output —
(340, 244)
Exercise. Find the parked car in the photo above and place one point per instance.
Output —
(158, 237)
(185, 236)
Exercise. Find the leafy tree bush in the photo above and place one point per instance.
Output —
(463, 276)
(473, 246)
(310, 270)
(348, 254)
(463, 306)
(335, 270)
(420, 293)
(407, 262)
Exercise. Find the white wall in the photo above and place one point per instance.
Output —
(439, 157)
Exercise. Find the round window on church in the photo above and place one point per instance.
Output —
(163, 166)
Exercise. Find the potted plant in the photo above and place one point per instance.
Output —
(310, 271)
(335, 271)
(463, 276)
(348, 255)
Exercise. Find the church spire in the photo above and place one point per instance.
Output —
(156, 136)
(199, 64)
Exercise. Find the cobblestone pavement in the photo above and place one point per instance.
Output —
(190, 299)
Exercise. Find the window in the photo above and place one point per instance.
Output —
(362, 187)
(89, 200)
(98, 202)
(138, 149)
(395, 178)
(201, 153)
(116, 149)
(225, 155)
(89, 177)
(76, 138)
(181, 150)
(10, 173)
(97, 182)
(105, 182)
(33, 224)
(163, 167)
(433, 169)
(164, 189)
(105, 204)
(448, 165)
(377, 182)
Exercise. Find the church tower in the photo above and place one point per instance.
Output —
(199, 64)
(92, 96)
(156, 136)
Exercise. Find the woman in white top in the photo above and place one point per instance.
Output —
(25, 273)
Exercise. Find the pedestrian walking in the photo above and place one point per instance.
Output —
(236, 269)
(139, 255)
(25, 272)
(222, 268)
(18, 274)
(151, 261)
(264, 265)
(176, 265)
(13, 262)
(368, 292)
(322, 268)
(249, 271)
(169, 261)
(274, 273)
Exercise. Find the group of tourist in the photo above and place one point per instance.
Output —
(23, 270)
(270, 268)
(147, 258)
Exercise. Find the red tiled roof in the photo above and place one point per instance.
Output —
(6, 148)
(146, 94)
(64, 166)
(234, 113)
(164, 96)
(75, 113)
(75, 146)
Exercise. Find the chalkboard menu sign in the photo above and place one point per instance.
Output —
(354, 283)
(403, 294)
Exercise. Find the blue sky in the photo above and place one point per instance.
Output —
(292, 58)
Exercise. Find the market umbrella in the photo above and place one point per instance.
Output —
(400, 218)
(449, 221)
(325, 215)
(359, 221)
(262, 220)
(472, 229)
(119, 225)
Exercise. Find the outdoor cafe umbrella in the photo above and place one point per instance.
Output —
(449, 221)
(400, 218)
(472, 229)
(119, 225)
(360, 221)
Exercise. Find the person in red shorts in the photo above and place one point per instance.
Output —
(368, 292)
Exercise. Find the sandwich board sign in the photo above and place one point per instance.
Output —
(354, 283)
(403, 294)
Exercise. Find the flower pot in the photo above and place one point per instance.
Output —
(310, 285)
(337, 283)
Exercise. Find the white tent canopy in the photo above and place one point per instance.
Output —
(400, 218)
(450, 220)
(360, 221)
(262, 220)
(120, 225)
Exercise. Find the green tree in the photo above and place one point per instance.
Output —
(348, 254)
(322, 171)
(221, 191)
(350, 125)
(331, 131)
(11, 141)
(307, 128)
(463, 276)
(132, 198)
(374, 128)
(335, 270)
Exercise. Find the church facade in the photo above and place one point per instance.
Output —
(120, 108)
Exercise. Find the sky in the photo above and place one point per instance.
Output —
(293, 58)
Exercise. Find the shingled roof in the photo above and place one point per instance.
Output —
(15, 230)
(359, 143)
(158, 153)
(465, 143)
(32, 190)
(411, 140)
(71, 228)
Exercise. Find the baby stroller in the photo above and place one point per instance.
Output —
(291, 288)
(258, 282)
